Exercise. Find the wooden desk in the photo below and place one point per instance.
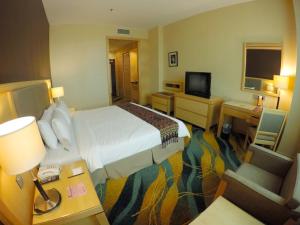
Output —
(223, 212)
(240, 110)
(85, 209)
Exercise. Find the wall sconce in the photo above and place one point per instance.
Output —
(57, 92)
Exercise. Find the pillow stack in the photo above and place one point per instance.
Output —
(56, 126)
(62, 126)
(45, 128)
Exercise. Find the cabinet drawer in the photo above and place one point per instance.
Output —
(159, 100)
(191, 117)
(192, 106)
(156, 105)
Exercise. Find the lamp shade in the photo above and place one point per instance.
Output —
(21, 145)
(281, 82)
(57, 92)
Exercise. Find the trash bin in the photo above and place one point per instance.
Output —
(226, 130)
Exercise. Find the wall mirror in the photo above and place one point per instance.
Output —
(261, 62)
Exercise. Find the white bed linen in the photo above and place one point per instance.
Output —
(109, 134)
(60, 156)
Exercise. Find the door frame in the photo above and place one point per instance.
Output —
(108, 64)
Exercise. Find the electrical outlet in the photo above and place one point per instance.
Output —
(20, 182)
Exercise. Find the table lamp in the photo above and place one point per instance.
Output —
(57, 92)
(21, 150)
(281, 83)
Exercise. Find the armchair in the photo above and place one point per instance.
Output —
(266, 185)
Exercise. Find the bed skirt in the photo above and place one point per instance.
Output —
(132, 164)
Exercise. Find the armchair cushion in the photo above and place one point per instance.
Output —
(261, 177)
(270, 161)
(290, 188)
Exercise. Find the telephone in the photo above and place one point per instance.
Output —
(48, 173)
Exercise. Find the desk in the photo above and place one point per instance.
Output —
(244, 111)
(223, 212)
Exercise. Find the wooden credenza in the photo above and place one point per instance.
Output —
(163, 101)
(199, 111)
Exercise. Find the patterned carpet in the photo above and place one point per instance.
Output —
(175, 191)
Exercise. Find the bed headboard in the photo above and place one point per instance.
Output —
(20, 100)
(27, 101)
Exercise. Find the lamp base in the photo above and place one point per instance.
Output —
(41, 206)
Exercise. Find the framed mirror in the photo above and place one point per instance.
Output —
(261, 62)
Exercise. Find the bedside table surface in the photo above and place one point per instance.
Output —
(71, 208)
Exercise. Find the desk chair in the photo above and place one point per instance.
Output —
(267, 185)
(269, 129)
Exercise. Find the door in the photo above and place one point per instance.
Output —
(134, 76)
(113, 78)
(126, 75)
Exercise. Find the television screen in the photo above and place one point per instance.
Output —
(198, 84)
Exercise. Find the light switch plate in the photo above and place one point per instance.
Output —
(20, 182)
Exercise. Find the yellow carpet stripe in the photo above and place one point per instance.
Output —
(114, 188)
(209, 137)
(205, 161)
(150, 198)
(168, 205)
(219, 165)
(177, 165)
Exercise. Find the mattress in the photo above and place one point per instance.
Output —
(109, 134)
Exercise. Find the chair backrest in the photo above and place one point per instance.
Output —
(290, 189)
(270, 127)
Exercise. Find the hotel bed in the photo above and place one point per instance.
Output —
(112, 141)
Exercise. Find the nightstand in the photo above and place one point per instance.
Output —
(163, 101)
(85, 209)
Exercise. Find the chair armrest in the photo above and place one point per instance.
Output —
(254, 199)
(270, 161)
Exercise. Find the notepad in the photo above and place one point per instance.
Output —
(77, 171)
(76, 190)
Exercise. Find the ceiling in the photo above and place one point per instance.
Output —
(116, 44)
(128, 13)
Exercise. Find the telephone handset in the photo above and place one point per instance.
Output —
(48, 173)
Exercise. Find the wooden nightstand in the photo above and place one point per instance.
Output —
(163, 101)
(85, 209)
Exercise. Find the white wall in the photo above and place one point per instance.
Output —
(290, 143)
(213, 42)
(78, 57)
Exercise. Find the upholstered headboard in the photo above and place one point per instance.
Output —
(27, 101)
(32, 99)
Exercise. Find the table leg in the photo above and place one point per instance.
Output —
(220, 124)
(101, 218)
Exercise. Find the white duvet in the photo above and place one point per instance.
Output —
(108, 134)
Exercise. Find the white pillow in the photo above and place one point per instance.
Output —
(45, 128)
(48, 113)
(47, 134)
(65, 111)
(62, 130)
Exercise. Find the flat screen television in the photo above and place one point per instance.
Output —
(198, 84)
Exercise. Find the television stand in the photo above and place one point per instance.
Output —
(202, 112)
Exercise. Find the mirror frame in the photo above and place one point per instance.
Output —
(247, 45)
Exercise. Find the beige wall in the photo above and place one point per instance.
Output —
(213, 42)
(149, 66)
(290, 143)
(78, 56)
